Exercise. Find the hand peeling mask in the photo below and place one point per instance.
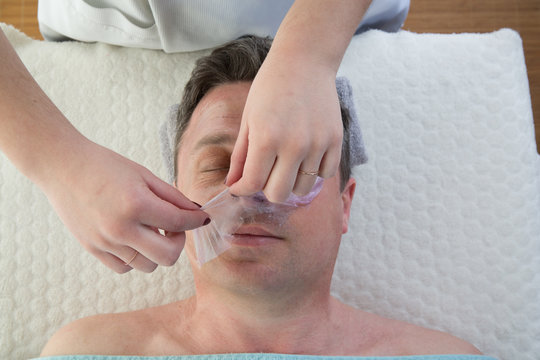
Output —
(229, 212)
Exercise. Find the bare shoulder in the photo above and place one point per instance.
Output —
(393, 337)
(91, 335)
(417, 338)
(409, 339)
(76, 337)
(107, 334)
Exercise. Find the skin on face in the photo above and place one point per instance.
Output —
(299, 253)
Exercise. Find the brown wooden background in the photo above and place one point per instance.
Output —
(436, 16)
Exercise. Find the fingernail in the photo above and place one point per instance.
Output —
(206, 222)
(196, 204)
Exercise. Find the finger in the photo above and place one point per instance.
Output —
(238, 157)
(111, 261)
(304, 182)
(157, 212)
(136, 260)
(281, 180)
(163, 215)
(179, 238)
(169, 193)
(160, 249)
(330, 162)
(259, 164)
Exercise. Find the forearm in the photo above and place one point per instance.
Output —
(34, 134)
(319, 31)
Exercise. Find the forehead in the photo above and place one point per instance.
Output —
(217, 115)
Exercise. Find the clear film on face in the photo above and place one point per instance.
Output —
(228, 212)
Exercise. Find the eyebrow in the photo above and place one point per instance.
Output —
(214, 139)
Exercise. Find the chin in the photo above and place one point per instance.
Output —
(246, 260)
(245, 269)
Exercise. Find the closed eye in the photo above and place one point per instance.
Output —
(215, 169)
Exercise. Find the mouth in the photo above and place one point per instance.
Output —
(253, 236)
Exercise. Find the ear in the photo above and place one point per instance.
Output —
(346, 198)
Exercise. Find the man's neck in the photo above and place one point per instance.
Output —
(219, 321)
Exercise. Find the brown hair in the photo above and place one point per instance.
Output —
(238, 60)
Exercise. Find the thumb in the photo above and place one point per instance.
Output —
(169, 193)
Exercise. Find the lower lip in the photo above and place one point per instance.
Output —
(253, 240)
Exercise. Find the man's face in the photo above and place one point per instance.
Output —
(294, 253)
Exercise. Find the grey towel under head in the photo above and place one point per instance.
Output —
(166, 141)
(357, 150)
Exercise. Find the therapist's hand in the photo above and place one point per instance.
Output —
(115, 207)
(291, 122)
(112, 205)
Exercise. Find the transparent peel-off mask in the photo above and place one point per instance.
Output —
(229, 212)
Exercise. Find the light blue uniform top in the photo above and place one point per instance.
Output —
(269, 357)
(184, 25)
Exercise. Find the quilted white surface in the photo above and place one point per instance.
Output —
(446, 220)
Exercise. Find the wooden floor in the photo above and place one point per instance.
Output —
(436, 16)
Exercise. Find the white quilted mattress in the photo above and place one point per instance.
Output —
(445, 230)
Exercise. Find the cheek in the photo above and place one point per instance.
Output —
(316, 238)
(182, 180)
(186, 184)
(319, 222)
(189, 248)
(199, 186)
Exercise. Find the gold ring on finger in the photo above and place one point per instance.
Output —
(310, 173)
(133, 258)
